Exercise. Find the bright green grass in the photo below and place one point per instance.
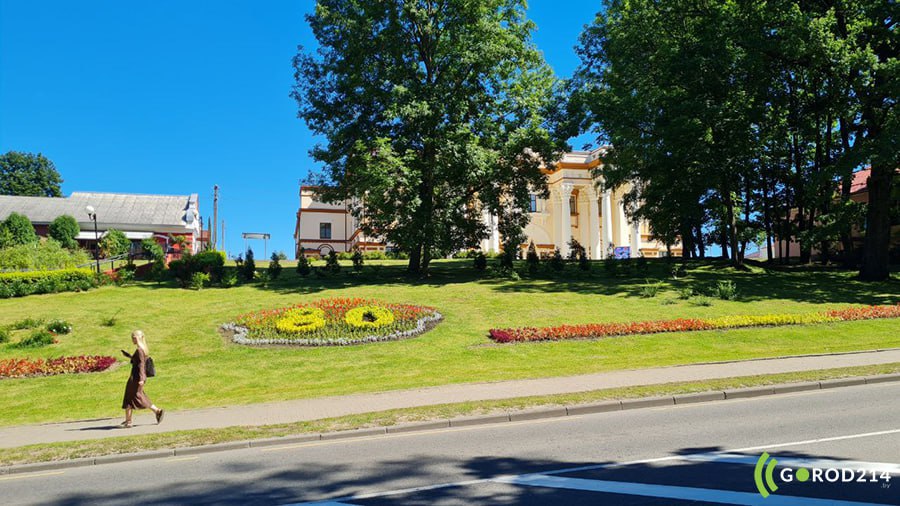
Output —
(197, 368)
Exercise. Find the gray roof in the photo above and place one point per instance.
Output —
(111, 208)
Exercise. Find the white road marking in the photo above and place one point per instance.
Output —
(737, 458)
(724, 455)
(670, 492)
(31, 475)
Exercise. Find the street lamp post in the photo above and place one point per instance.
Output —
(93, 216)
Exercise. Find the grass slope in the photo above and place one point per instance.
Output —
(198, 368)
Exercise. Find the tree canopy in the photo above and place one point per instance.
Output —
(30, 175)
(739, 120)
(64, 229)
(433, 112)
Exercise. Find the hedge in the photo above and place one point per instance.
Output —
(20, 284)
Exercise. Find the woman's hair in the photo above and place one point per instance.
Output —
(141, 341)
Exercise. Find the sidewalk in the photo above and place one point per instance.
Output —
(327, 407)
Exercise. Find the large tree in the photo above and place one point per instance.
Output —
(433, 112)
(28, 174)
(741, 118)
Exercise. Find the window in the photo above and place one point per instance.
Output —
(533, 206)
(324, 230)
(573, 205)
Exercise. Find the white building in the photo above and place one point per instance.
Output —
(576, 209)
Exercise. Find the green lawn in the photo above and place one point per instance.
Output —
(198, 368)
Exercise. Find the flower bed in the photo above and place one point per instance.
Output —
(595, 330)
(336, 321)
(25, 367)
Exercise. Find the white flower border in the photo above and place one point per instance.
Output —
(422, 325)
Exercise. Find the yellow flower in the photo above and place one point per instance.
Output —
(301, 321)
(369, 317)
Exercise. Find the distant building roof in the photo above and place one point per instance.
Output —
(860, 181)
(112, 208)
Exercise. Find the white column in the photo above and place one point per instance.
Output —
(593, 223)
(607, 222)
(635, 239)
(495, 235)
(622, 226)
(564, 221)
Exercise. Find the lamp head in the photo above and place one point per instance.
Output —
(90, 211)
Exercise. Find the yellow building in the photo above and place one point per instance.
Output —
(576, 209)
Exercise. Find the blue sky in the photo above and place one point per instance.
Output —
(174, 97)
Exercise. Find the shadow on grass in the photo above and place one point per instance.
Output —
(628, 278)
(232, 479)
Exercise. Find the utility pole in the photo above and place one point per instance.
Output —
(215, 219)
(223, 235)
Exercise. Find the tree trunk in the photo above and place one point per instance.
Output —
(701, 246)
(414, 267)
(731, 228)
(878, 224)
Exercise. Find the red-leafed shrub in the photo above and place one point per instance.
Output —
(25, 367)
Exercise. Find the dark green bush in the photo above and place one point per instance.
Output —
(303, 267)
(38, 339)
(556, 261)
(210, 262)
(247, 269)
(331, 263)
(64, 229)
(20, 284)
(532, 259)
(357, 261)
(480, 261)
(18, 230)
(275, 268)
(59, 327)
(583, 263)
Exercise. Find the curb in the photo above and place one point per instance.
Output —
(469, 421)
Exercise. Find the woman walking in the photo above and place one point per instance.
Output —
(135, 398)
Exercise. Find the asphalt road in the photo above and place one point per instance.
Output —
(690, 454)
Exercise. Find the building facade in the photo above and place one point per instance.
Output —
(575, 209)
(164, 218)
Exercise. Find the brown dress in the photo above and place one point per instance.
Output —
(135, 398)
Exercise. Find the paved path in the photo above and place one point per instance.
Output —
(326, 407)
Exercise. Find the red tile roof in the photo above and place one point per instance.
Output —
(860, 181)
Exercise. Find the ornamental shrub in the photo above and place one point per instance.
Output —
(369, 317)
(38, 339)
(532, 260)
(685, 293)
(247, 270)
(183, 269)
(59, 327)
(610, 265)
(114, 243)
(303, 267)
(199, 280)
(229, 279)
(556, 261)
(725, 290)
(583, 263)
(4, 335)
(575, 249)
(357, 261)
(480, 261)
(650, 289)
(19, 230)
(211, 262)
(275, 268)
(332, 266)
(64, 229)
(20, 284)
(46, 255)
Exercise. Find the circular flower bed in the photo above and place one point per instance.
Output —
(26, 367)
(336, 321)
